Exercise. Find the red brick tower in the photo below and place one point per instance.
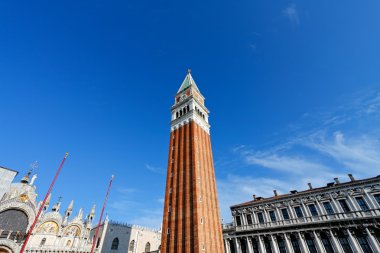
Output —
(191, 220)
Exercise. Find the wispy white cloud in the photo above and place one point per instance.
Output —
(237, 189)
(291, 13)
(253, 47)
(153, 168)
(340, 141)
(286, 163)
(360, 154)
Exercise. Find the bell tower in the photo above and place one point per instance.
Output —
(191, 220)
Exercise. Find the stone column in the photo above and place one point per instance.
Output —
(306, 211)
(292, 214)
(261, 244)
(266, 216)
(249, 244)
(334, 242)
(370, 200)
(278, 214)
(336, 206)
(273, 243)
(352, 203)
(227, 245)
(237, 245)
(372, 241)
(321, 210)
(289, 248)
(303, 246)
(318, 243)
(354, 245)
(244, 222)
(254, 218)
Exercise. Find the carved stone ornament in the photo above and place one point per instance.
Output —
(375, 188)
(342, 194)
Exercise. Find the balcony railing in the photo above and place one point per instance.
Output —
(306, 219)
(16, 236)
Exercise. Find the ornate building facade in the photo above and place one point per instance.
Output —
(340, 217)
(54, 232)
(117, 237)
(191, 220)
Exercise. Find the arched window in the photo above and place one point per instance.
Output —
(115, 243)
(97, 243)
(42, 243)
(176, 114)
(13, 220)
(188, 108)
(147, 247)
(132, 245)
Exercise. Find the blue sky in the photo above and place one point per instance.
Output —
(293, 88)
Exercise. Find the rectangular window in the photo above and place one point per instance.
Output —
(328, 208)
(364, 244)
(238, 221)
(296, 245)
(344, 205)
(285, 214)
(272, 216)
(249, 219)
(298, 211)
(281, 245)
(313, 210)
(311, 245)
(260, 217)
(362, 204)
(377, 197)
(345, 244)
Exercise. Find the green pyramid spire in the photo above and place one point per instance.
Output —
(189, 81)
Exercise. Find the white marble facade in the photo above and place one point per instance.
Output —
(6, 178)
(63, 232)
(54, 232)
(341, 217)
(117, 237)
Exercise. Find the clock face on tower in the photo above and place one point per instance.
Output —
(182, 97)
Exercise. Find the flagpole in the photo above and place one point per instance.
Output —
(43, 204)
(101, 215)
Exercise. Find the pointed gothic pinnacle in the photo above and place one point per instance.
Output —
(93, 210)
(71, 205)
(189, 70)
(48, 200)
(67, 154)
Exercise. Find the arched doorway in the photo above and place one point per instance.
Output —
(5, 250)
